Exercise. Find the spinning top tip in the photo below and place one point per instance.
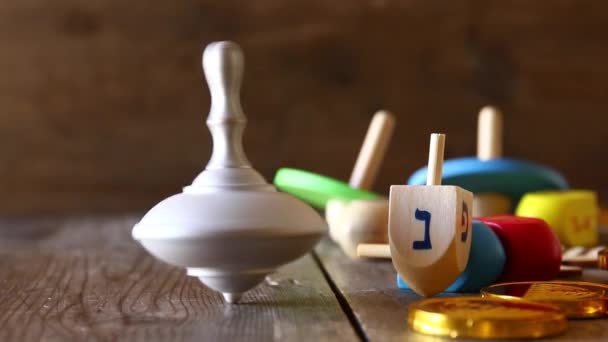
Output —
(232, 298)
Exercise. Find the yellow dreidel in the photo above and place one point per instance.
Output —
(573, 215)
(430, 228)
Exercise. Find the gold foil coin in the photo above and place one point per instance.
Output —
(486, 318)
(576, 299)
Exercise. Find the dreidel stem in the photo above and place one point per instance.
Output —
(374, 250)
(372, 151)
(435, 166)
(489, 133)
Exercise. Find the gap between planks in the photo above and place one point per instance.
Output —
(346, 308)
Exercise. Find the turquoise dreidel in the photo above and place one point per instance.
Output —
(486, 262)
(497, 182)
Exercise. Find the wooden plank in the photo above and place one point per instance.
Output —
(370, 288)
(85, 279)
(102, 102)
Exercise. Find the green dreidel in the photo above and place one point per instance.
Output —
(318, 190)
(430, 228)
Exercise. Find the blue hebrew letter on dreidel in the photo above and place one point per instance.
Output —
(425, 216)
(465, 221)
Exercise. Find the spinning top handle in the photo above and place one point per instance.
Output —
(223, 66)
(489, 133)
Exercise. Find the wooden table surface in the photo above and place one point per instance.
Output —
(84, 278)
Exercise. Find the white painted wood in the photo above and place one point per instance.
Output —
(578, 255)
(594, 251)
(230, 228)
(430, 229)
(374, 250)
(489, 133)
(491, 204)
(573, 252)
(373, 150)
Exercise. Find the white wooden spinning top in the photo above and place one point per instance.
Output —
(230, 228)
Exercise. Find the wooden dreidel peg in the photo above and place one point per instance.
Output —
(532, 249)
(374, 250)
(373, 150)
(489, 147)
(430, 228)
(230, 228)
(486, 262)
(573, 215)
(317, 189)
(497, 182)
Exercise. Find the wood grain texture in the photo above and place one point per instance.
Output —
(370, 288)
(102, 103)
(85, 279)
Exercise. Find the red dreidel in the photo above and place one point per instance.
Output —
(430, 228)
(533, 250)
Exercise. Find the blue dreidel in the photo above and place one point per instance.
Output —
(486, 262)
(498, 183)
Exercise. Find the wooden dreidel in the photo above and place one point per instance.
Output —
(573, 215)
(230, 228)
(317, 189)
(532, 249)
(497, 182)
(430, 228)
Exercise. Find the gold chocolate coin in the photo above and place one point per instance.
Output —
(576, 299)
(602, 259)
(487, 318)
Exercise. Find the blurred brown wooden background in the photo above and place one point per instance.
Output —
(102, 102)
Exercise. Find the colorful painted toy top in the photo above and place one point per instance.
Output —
(494, 179)
(354, 214)
(318, 190)
(230, 228)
